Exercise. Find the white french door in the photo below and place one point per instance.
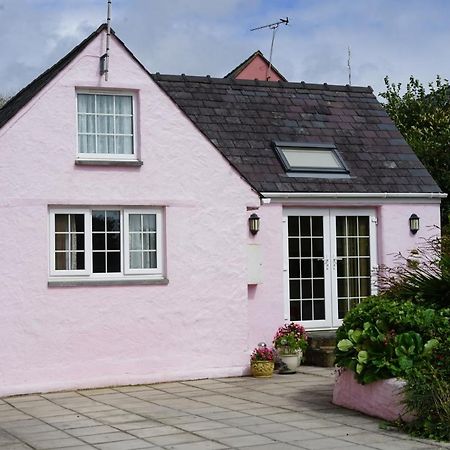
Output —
(330, 258)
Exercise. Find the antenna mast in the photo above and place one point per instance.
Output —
(104, 59)
(349, 67)
(274, 27)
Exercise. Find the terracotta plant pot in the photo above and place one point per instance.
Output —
(262, 369)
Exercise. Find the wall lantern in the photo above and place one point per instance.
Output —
(253, 223)
(414, 223)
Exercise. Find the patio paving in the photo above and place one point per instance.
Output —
(284, 412)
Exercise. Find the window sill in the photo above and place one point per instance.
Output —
(107, 282)
(109, 162)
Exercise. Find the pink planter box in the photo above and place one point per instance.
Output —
(383, 399)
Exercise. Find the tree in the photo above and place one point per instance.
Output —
(424, 121)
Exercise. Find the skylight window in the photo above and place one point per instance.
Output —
(306, 157)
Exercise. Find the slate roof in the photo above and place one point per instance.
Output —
(238, 69)
(243, 117)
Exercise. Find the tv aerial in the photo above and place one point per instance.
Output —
(274, 27)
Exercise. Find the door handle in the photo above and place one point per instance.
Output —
(326, 262)
(335, 260)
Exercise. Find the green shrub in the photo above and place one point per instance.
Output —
(383, 338)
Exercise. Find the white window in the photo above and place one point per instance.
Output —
(312, 158)
(105, 125)
(105, 242)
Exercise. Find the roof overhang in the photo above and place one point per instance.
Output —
(347, 197)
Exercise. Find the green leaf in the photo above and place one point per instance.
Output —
(345, 345)
(359, 368)
(430, 345)
(363, 356)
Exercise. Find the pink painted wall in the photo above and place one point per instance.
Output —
(257, 70)
(266, 300)
(61, 338)
(394, 229)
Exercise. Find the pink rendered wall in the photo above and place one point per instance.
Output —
(266, 300)
(61, 338)
(394, 229)
(257, 70)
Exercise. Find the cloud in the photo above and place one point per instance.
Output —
(209, 37)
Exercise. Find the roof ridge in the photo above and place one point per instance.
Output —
(285, 84)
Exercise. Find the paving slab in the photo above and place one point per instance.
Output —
(280, 413)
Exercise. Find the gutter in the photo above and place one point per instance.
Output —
(355, 195)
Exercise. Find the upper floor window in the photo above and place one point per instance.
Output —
(105, 125)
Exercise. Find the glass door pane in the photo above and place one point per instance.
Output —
(306, 268)
(353, 266)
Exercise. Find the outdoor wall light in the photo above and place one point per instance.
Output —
(253, 223)
(414, 223)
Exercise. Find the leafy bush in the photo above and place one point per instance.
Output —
(383, 338)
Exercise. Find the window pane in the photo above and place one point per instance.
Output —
(306, 268)
(99, 262)
(61, 222)
(341, 229)
(105, 144)
(77, 260)
(364, 285)
(294, 247)
(293, 228)
(86, 103)
(319, 309)
(105, 124)
(364, 249)
(294, 289)
(135, 260)
(124, 104)
(86, 143)
(98, 221)
(305, 247)
(77, 223)
(124, 145)
(149, 222)
(305, 158)
(294, 268)
(305, 226)
(62, 241)
(113, 220)
(135, 241)
(319, 288)
(295, 311)
(149, 241)
(363, 226)
(307, 310)
(105, 104)
(98, 241)
(149, 260)
(364, 267)
(317, 226)
(317, 245)
(86, 123)
(62, 261)
(135, 222)
(306, 289)
(113, 261)
(124, 125)
(352, 226)
(113, 241)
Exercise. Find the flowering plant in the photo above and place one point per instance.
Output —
(262, 354)
(290, 338)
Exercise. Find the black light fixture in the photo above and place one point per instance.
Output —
(414, 223)
(253, 223)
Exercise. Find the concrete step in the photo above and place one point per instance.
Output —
(320, 351)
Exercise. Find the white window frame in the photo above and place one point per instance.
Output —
(107, 156)
(126, 242)
(126, 272)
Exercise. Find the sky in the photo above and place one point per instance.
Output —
(397, 38)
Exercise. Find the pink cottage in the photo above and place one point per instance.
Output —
(125, 204)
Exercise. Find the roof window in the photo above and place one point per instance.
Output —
(310, 158)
